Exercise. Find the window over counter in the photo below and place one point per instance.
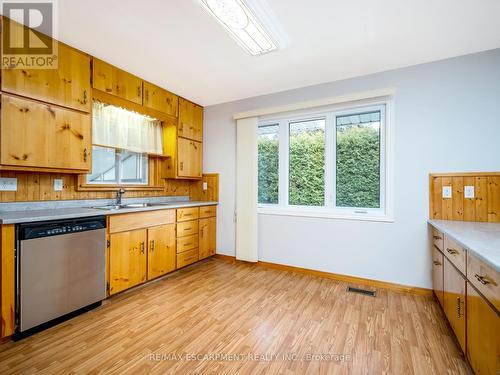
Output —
(333, 163)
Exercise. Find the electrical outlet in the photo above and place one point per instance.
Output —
(205, 185)
(446, 192)
(58, 185)
(8, 184)
(469, 192)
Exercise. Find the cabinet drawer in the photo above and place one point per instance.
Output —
(484, 278)
(187, 228)
(136, 220)
(437, 274)
(455, 253)
(186, 258)
(208, 211)
(437, 238)
(184, 214)
(187, 243)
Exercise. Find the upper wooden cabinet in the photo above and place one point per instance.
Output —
(190, 120)
(68, 85)
(38, 135)
(114, 81)
(159, 99)
(190, 155)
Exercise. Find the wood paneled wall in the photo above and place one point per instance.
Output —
(485, 206)
(40, 187)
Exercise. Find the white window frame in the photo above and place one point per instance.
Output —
(329, 210)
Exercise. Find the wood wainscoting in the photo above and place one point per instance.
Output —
(335, 276)
(485, 206)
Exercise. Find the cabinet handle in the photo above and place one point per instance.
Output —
(201, 234)
(85, 154)
(185, 260)
(187, 244)
(152, 245)
(181, 165)
(482, 279)
(84, 96)
(437, 237)
(452, 251)
(436, 263)
(142, 247)
(138, 90)
(185, 229)
(146, 94)
(459, 312)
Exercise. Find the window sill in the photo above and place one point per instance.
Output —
(324, 215)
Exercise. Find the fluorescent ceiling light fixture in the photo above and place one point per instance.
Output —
(241, 24)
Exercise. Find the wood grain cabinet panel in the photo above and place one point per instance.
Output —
(185, 214)
(161, 250)
(483, 334)
(68, 85)
(485, 278)
(115, 81)
(455, 253)
(208, 211)
(187, 243)
(186, 258)
(127, 260)
(207, 234)
(438, 274)
(454, 300)
(34, 134)
(137, 220)
(187, 228)
(437, 239)
(190, 123)
(190, 156)
(161, 100)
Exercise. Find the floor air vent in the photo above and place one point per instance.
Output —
(366, 292)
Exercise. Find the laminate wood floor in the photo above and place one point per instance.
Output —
(284, 322)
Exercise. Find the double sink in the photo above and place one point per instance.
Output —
(131, 205)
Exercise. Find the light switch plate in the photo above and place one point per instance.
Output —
(469, 192)
(8, 184)
(58, 184)
(205, 185)
(446, 192)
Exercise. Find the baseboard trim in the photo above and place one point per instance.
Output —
(339, 277)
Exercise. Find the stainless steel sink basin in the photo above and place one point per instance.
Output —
(131, 205)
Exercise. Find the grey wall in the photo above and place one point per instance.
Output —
(447, 118)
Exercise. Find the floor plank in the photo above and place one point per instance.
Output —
(291, 323)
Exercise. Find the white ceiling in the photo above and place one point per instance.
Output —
(177, 45)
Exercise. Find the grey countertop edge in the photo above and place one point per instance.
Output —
(32, 216)
(466, 244)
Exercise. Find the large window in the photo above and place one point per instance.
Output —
(118, 167)
(333, 163)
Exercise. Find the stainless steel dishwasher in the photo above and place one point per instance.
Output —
(60, 268)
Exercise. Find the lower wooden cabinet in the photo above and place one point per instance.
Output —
(483, 334)
(186, 258)
(437, 274)
(454, 300)
(207, 228)
(127, 260)
(161, 250)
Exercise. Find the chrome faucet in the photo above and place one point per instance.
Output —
(119, 195)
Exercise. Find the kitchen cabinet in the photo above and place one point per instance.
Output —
(190, 123)
(67, 86)
(483, 334)
(161, 250)
(207, 234)
(438, 274)
(127, 260)
(454, 300)
(115, 81)
(190, 156)
(159, 99)
(38, 135)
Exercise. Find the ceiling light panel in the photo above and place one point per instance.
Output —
(241, 24)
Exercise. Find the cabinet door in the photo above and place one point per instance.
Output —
(207, 237)
(117, 82)
(189, 156)
(437, 274)
(161, 250)
(159, 99)
(190, 123)
(454, 300)
(198, 123)
(39, 135)
(483, 334)
(127, 260)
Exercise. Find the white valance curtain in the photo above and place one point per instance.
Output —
(118, 128)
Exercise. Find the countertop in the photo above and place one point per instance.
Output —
(30, 216)
(483, 239)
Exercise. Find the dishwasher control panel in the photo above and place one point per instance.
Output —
(54, 228)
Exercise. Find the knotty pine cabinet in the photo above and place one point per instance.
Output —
(127, 259)
(161, 250)
(207, 237)
(161, 100)
(190, 123)
(438, 274)
(38, 135)
(454, 300)
(117, 82)
(67, 86)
